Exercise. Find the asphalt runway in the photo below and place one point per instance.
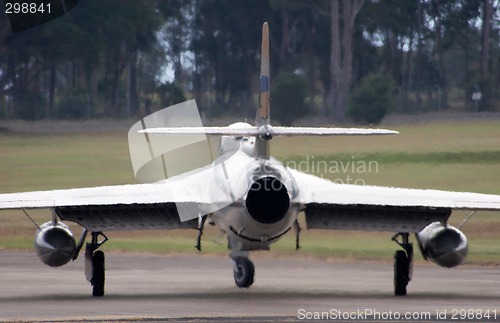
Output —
(198, 288)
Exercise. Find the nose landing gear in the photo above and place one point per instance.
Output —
(244, 272)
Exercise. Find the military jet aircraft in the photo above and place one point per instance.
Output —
(254, 199)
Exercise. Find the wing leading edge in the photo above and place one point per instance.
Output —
(339, 206)
(120, 207)
(103, 195)
(159, 205)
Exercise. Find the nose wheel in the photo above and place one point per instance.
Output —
(244, 272)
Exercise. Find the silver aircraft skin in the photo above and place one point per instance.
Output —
(254, 199)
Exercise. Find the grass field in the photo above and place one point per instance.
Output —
(459, 156)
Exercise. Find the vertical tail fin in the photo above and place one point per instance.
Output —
(263, 112)
(262, 120)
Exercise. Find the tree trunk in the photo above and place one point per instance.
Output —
(120, 64)
(220, 83)
(73, 74)
(92, 92)
(133, 96)
(496, 82)
(390, 51)
(466, 83)
(285, 39)
(418, 61)
(11, 70)
(485, 45)
(334, 57)
(52, 91)
(407, 83)
(311, 69)
(443, 81)
(341, 55)
(485, 54)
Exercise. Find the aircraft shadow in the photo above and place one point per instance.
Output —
(235, 294)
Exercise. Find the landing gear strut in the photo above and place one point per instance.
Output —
(95, 264)
(201, 225)
(403, 263)
(243, 268)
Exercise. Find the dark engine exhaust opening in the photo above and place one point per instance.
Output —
(268, 200)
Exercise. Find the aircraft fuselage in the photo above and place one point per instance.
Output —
(262, 212)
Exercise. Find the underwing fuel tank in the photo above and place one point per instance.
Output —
(54, 244)
(443, 244)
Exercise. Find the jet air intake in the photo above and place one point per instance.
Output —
(443, 244)
(267, 200)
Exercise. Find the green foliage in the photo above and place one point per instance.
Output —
(226, 42)
(118, 54)
(93, 49)
(487, 93)
(288, 94)
(371, 99)
(170, 94)
(29, 106)
(73, 106)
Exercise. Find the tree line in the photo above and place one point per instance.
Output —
(335, 58)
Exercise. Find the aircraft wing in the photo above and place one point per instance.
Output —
(103, 195)
(128, 207)
(330, 205)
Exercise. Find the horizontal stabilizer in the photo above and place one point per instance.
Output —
(312, 131)
(214, 131)
(277, 131)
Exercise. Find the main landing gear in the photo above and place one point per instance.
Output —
(95, 264)
(403, 263)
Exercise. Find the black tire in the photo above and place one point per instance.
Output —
(98, 276)
(244, 272)
(401, 273)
